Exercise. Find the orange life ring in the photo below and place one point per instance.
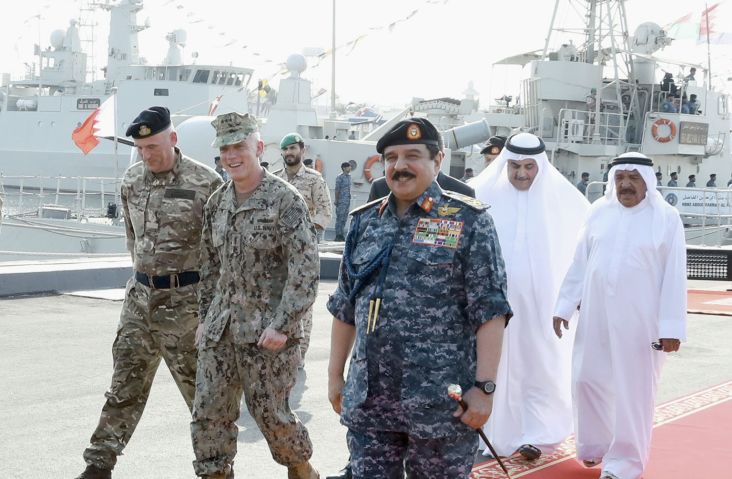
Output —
(370, 161)
(661, 122)
(319, 165)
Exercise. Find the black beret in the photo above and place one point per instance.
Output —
(410, 131)
(149, 122)
(494, 145)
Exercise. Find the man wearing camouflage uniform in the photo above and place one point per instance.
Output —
(314, 190)
(422, 293)
(307, 181)
(342, 200)
(163, 198)
(259, 276)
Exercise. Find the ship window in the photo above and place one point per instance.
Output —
(723, 106)
(201, 76)
(184, 75)
(160, 92)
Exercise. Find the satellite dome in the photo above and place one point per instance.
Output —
(57, 39)
(296, 64)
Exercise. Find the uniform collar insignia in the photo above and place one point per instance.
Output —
(383, 205)
(427, 204)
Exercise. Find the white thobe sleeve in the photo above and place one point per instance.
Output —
(672, 308)
(570, 294)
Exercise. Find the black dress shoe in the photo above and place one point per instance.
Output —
(344, 473)
(529, 452)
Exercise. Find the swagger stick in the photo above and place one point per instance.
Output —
(456, 392)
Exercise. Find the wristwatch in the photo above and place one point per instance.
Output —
(488, 387)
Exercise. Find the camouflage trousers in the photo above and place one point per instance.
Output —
(307, 328)
(387, 455)
(266, 378)
(154, 325)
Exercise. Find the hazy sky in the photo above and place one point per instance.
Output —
(434, 47)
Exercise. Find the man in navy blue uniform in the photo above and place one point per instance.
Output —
(421, 303)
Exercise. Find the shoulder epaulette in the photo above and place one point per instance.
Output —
(467, 200)
(312, 171)
(366, 207)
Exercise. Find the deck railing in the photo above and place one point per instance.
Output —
(79, 197)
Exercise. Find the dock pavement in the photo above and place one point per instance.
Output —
(56, 356)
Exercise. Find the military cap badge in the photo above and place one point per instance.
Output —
(413, 132)
(144, 130)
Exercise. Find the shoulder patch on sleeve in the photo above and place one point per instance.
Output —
(467, 200)
(293, 215)
(366, 207)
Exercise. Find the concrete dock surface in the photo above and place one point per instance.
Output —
(57, 363)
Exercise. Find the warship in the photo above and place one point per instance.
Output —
(592, 93)
(39, 112)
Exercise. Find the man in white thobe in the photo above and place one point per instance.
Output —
(629, 275)
(538, 215)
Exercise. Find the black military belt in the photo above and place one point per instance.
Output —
(175, 280)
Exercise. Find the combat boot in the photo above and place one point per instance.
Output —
(227, 474)
(302, 471)
(94, 472)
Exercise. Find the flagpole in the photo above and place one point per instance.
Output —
(333, 66)
(709, 53)
(116, 156)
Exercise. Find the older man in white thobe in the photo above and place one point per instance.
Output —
(538, 216)
(629, 274)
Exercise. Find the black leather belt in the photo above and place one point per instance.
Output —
(175, 280)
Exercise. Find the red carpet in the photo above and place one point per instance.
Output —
(710, 302)
(691, 440)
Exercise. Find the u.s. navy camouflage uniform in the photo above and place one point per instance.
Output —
(343, 202)
(444, 278)
(314, 190)
(163, 220)
(260, 269)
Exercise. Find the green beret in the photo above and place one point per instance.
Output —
(290, 139)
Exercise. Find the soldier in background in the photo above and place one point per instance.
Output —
(163, 198)
(307, 181)
(313, 189)
(259, 277)
(440, 251)
(342, 200)
(492, 149)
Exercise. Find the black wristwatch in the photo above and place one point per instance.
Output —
(488, 387)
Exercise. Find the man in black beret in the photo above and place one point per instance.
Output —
(433, 140)
(409, 263)
(162, 197)
(493, 148)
